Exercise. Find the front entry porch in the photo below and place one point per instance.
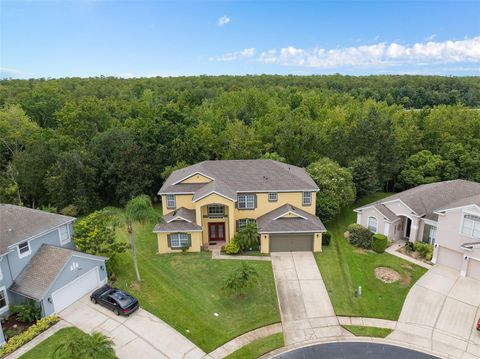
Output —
(216, 232)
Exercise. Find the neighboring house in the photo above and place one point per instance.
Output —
(209, 202)
(445, 214)
(38, 261)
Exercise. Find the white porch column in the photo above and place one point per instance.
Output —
(359, 218)
(386, 230)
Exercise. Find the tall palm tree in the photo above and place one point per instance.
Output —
(138, 209)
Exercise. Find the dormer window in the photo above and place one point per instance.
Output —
(24, 249)
(171, 201)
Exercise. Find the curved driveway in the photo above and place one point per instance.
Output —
(352, 350)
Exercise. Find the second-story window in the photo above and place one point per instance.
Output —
(272, 197)
(471, 226)
(24, 249)
(306, 198)
(215, 210)
(171, 201)
(246, 201)
(64, 235)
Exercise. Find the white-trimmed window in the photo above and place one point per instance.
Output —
(246, 201)
(24, 249)
(273, 197)
(171, 201)
(306, 198)
(178, 240)
(372, 224)
(3, 300)
(471, 226)
(215, 210)
(64, 233)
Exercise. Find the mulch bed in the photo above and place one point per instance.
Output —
(12, 326)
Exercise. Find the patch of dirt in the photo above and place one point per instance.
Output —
(135, 285)
(407, 266)
(406, 279)
(360, 250)
(387, 275)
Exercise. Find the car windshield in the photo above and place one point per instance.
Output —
(123, 299)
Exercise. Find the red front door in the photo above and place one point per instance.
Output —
(216, 231)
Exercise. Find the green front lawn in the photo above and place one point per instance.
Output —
(258, 347)
(345, 267)
(46, 348)
(185, 290)
(360, 331)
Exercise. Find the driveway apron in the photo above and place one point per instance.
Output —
(305, 307)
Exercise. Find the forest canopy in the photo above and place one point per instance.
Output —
(77, 145)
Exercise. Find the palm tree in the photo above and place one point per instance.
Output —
(84, 346)
(138, 209)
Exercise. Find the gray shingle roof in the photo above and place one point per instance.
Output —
(170, 225)
(231, 176)
(386, 212)
(462, 202)
(268, 224)
(41, 271)
(20, 223)
(424, 200)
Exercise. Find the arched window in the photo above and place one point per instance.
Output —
(372, 224)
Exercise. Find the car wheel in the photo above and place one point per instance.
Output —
(94, 301)
(116, 312)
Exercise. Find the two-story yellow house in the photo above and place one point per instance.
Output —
(207, 203)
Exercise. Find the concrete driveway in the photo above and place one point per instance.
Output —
(440, 313)
(142, 335)
(305, 307)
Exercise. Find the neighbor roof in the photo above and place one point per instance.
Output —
(425, 199)
(20, 223)
(42, 270)
(270, 223)
(181, 219)
(232, 176)
(474, 200)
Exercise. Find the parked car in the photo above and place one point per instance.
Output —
(118, 301)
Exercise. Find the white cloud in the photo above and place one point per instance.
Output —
(6, 73)
(224, 20)
(231, 56)
(380, 54)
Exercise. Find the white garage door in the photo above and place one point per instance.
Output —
(75, 290)
(450, 258)
(473, 270)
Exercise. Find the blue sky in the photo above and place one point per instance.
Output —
(157, 38)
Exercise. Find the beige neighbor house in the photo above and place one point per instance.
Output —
(445, 214)
(207, 203)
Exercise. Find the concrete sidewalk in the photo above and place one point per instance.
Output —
(305, 307)
(141, 335)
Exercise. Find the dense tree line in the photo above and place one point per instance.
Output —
(81, 144)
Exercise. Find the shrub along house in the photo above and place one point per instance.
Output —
(444, 214)
(207, 203)
(38, 261)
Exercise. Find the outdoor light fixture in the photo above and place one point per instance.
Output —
(49, 299)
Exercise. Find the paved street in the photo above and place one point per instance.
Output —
(353, 351)
(305, 307)
(440, 313)
(142, 335)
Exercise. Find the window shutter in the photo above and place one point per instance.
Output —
(189, 244)
(255, 200)
(237, 225)
(169, 240)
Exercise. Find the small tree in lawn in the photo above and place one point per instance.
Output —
(247, 236)
(240, 279)
(79, 346)
(138, 209)
(95, 234)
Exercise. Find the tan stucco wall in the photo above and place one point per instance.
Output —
(197, 178)
(264, 206)
(317, 242)
(371, 212)
(181, 200)
(163, 243)
(265, 243)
